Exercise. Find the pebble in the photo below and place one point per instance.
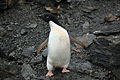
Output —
(37, 59)
(23, 32)
(2, 31)
(34, 25)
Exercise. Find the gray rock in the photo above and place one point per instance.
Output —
(100, 75)
(8, 79)
(79, 66)
(87, 78)
(9, 28)
(68, 0)
(104, 53)
(45, 52)
(28, 52)
(37, 59)
(87, 39)
(85, 27)
(27, 72)
(23, 32)
(2, 31)
(42, 78)
(34, 25)
(116, 72)
(12, 54)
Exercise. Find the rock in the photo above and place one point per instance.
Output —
(116, 72)
(100, 75)
(105, 54)
(8, 79)
(27, 72)
(87, 78)
(9, 28)
(12, 54)
(110, 18)
(2, 31)
(34, 25)
(85, 27)
(42, 78)
(37, 59)
(2, 54)
(83, 67)
(45, 53)
(28, 52)
(68, 0)
(23, 32)
(88, 39)
(106, 33)
(115, 59)
(86, 10)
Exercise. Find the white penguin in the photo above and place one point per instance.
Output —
(58, 45)
(58, 48)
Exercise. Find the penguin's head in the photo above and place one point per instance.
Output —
(47, 17)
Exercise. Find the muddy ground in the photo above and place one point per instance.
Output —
(22, 31)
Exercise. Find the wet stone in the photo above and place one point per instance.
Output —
(27, 72)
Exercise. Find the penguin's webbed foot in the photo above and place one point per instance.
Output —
(49, 74)
(65, 70)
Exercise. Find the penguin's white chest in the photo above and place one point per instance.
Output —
(58, 47)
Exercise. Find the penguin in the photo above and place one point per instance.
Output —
(58, 46)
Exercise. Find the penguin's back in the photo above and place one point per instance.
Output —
(58, 46)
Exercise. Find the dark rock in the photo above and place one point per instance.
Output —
(2, 54)
(68, 0)
(116, 72)
(42, 78)
(2, 31)
(105, 54)
(23, 32)
(8, 79)
(37, 59)
(100, 74)
(45, 53)
(27, 72)
(83, 67)
(115, 60)
(34, 25)
(106, 33)
(28, 52)
(87, 78)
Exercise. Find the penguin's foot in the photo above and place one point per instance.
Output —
(65, 70)
(49, 73)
